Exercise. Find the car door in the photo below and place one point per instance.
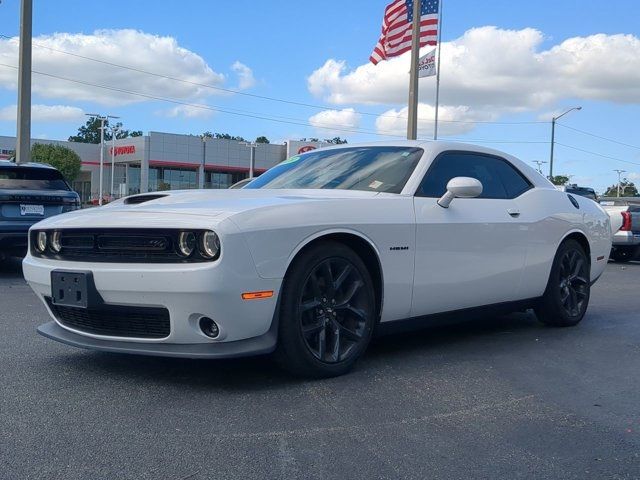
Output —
(473, 252)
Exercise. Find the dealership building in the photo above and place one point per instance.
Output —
(167, 161)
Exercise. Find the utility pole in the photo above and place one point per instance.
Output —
(412, 123)
(114, 131)
(619, 172)
(23, 141)
(553, 137)
(539, 163)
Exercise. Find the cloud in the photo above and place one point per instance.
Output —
(336, 120)
(188, 111)
(245, 76)
(497, 71)
(45, 113)
(457, 120)
(133, 48)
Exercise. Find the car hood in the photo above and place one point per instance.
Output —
(184, 208)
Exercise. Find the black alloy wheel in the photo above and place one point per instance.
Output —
(573, 282)
(327, 311)
(566, 297)
(333, 310)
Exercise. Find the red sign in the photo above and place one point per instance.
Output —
(306, 148)
(125, 150)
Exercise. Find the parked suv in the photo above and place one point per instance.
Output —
(28, 193)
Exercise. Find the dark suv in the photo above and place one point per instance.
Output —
(28, 193)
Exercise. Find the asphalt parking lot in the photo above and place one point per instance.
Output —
(497, 398)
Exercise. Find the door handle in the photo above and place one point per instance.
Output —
(514, 212)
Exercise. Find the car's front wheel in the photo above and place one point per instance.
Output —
(327, 311)
(566, 297)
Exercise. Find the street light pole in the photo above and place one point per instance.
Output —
(553, 136)
(252, 159)
(619, 172)
(103, 119)
(114, 131)
(539, 163)
(23, 140)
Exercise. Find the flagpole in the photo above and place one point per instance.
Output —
(435, 128)
(412, 124)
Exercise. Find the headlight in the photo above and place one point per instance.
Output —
(186, 243)
(56, 245)
(41, 241)
(209, 245)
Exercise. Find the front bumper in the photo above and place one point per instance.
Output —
(626, 239)
(186, 291)
(262, 344)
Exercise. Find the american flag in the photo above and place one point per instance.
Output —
(395, 38)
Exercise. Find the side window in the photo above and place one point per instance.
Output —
(499, 179)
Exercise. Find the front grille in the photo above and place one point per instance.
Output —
(115, 320)
(120, 245)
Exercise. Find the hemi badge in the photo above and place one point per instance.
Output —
(257, 295)
(601, 257)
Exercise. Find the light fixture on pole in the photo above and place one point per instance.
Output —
(114, 132)
(539, 163)
(103, 119)
(619, 172)
(553, 135)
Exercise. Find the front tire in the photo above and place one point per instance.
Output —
(327, 312)
(566, 297)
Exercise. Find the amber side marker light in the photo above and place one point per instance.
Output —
(257, 295)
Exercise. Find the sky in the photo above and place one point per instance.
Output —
(507, 68)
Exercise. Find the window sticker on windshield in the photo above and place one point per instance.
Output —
(375, 184)
(295, 158)
(405, 154)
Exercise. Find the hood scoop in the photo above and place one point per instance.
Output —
(137, 199)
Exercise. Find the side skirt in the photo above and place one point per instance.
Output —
(453, 317)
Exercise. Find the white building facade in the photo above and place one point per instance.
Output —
(166, 161)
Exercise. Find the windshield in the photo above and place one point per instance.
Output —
(25, 178)
(377, 169)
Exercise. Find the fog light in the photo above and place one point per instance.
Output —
(209, 327)
(56, 245)
(41, 242)
(186, 243)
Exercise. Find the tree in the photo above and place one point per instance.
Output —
(336, 140)
(58, 156)
(90, 132)
(559, 179)
(627, 189)
(312, 139)
(226, 136)
(262, 139)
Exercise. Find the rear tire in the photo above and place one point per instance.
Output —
(327, 312)
(566, 297)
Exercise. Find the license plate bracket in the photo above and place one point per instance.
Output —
(26, 210)
(74, 289)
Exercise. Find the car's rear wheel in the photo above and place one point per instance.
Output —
(327, 312)
(566, 297)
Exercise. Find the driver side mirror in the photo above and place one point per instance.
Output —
(460, 187)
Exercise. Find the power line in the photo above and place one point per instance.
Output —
(598, 136)
(255, 115)
(597, 154)
(263, 97)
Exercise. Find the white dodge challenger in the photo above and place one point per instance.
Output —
(309, 259)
